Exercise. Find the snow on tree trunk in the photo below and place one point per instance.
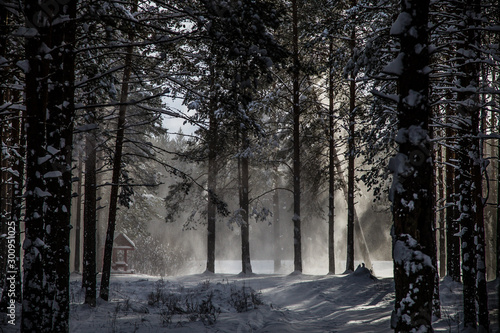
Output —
(49, 130)
(411, 191)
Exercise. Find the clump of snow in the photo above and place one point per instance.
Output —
(363, 272)
(396, 66)
(401, 24)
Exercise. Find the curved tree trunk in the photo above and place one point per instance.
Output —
(115, 179)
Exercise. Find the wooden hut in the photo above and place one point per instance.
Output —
(121, 245)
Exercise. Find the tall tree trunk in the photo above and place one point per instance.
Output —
(4, 22)
(471, 164)
(212, 174)
(452, 225)
(77, 255)
(441, 219)
(411, 195)
(498, 212)
(363, 245)
(297, 241)
(50, 115)
(4, 218)
(117, 161)
(436, 304)
(351, 155)
(12, 270)
(90, 222)
(480, 239)
(331, 167)
(276, 224)
(246, 265)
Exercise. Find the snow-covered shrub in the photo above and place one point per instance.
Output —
(244, 299)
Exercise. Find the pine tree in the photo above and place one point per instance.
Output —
(411, 192)
(49, 122)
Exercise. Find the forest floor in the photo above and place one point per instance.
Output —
(355, 302)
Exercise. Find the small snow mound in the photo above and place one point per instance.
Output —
(449, 283)
(295, 273)
(362, 271)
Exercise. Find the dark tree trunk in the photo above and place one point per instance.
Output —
(212, 175)
(77, 255)
(470, 165)
(480, 238)
(90, 222)
(452, 225)
(246, 265)
(115, 179)
(50, 115)
(331, 167)
(297, 242)
(4, 214)
(436, 304)
(411, 195)
(3, 159)
(13, 268)
(363, 246)
(441, 215)
(11, 277)
(498, 211)
(276, 224)
(351, 155)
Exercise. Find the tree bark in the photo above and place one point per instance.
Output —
(3, 154)
(115, 179)
(50, 114)
(77, 255)
(412, 167)
(90, 222)
(276, 225)
(331, 167)
(470, 165)
(297, 242)
(452, 225)
(212, 174)
(441, 215)
(351, 155)
(246, 265)
(498, 213)
(365, 252)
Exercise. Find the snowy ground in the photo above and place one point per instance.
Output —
(252, 303)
